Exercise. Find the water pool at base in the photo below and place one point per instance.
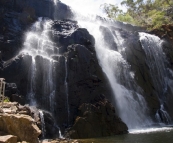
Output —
(151, 135)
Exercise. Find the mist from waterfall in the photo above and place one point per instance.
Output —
(90, 7)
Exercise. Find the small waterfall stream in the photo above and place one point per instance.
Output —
(42, 124)
(66, 90)
(31, 94)
(156, 61)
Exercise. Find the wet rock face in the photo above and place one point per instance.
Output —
(96, 120)
(67, 33)
(86, 82)
(16, 70)
(51, 129)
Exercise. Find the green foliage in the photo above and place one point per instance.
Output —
(125, 17)
(6, 99)
(147, 13)
(112, 11)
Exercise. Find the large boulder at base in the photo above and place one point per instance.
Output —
(8, 139)
(22, 126)
(96, 120)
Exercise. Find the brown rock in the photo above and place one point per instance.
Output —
(8, 139)
(22, 126)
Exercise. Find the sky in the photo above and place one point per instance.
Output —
(90, 6)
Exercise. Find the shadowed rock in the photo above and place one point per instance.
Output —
(96, 120)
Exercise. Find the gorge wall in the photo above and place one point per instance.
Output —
(58, 65)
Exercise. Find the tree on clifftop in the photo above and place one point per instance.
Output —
(147, 13)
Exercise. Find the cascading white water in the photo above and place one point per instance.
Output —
(155, 59)
(38, 43)
(131, 105)
(42, 124)
(40, 47)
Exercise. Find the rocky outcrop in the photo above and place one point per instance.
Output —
(16, 120)
(22, 126)
(96, 120)
(8, 139)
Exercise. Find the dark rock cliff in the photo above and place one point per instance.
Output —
(75, 70)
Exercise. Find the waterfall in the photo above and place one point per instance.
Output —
(162, 116)
(130, 104)
(110, 49)
(42, 124)
(40, 47)
(156, 61)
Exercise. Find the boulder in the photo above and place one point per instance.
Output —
(22, 126)
(51, 129)
(8, 139)
(96, 120)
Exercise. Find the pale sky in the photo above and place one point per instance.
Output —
(90, 6)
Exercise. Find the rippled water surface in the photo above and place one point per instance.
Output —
(151, 135)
